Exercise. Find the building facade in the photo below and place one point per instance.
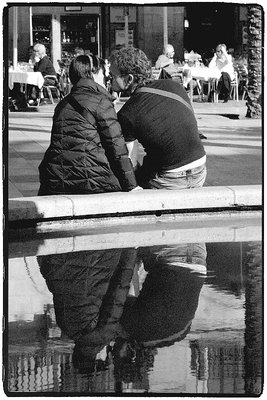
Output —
(102, 28)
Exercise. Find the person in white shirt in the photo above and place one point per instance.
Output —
(223, 62)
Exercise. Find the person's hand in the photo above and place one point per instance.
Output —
(136, 189)
(224, 51)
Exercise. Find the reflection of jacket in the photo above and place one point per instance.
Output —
(166, 306)
(89, 290)
(86, 155)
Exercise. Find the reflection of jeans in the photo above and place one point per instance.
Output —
(191, 178)
(191, 253)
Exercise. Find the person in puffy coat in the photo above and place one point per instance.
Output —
(87, 152)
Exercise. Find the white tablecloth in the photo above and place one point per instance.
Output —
(32, 78)
(204, 73)
(200, 74)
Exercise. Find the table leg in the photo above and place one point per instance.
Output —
(191, 86)
(200, 89)
(26, 93)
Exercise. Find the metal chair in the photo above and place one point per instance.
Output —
(156, 72)
(233, 92)
(242, 80)
(214, 90)
(50, 89)
(234, 87)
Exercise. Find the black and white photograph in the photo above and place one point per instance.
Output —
(132, 188)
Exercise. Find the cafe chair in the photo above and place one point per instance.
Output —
(49, 90)
(156, 72)
(244, 91)
(242, 80)
(234, 87)
(199, 89)
(213, 90)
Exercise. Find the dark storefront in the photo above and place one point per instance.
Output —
(211, 25)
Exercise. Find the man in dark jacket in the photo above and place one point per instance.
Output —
(159, 115)
(87, 153)
(44, 65)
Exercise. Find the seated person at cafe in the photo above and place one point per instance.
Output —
(222, 61)
(44, 65)
(159, 116)
(166, 58)
(166, 62)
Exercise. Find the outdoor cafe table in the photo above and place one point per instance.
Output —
(201, 74)
(26, 77)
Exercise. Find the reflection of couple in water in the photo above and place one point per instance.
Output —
(120, 305)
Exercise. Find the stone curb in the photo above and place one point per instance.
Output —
(116, 204)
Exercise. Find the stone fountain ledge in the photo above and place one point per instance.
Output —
(136, 202)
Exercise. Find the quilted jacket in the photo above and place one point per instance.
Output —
(86, 155)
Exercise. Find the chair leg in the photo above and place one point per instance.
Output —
(216, 94)
(49, 92)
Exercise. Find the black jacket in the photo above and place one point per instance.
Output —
(45, 66)
(86, 155)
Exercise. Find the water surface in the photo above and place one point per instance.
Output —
(183, 318)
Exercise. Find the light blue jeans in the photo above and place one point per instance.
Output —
(191, 178)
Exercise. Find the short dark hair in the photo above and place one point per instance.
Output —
(97, 64)
(83, 66)
(131, 60)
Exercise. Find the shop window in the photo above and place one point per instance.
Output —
(41, 27)
(78, 31)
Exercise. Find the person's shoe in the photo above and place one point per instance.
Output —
(226, 98)
(201, 136)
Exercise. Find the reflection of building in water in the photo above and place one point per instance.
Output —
(24, 277)
(219, 364)
(52, 370)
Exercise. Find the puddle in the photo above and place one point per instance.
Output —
(179, 318)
